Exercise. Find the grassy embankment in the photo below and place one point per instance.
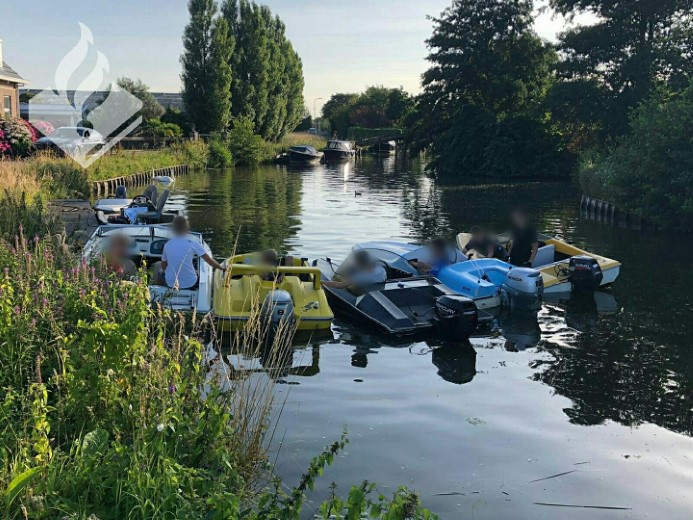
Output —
(112, 408)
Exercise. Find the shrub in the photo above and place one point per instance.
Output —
(219, 154)
(42, 127)
(246, 146)
(195, 153)
(650, 171)
(16, 137)
(161, 131)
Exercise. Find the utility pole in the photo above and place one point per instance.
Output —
(315, 111)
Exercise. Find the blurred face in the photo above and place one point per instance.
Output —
(519, 219)
(119, 246)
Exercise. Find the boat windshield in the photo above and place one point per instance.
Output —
(339, 145)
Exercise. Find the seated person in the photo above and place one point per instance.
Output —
(365, 272)
(117, 259)
(484, 244)
(176, 269)
(269, 258)
(439, 258)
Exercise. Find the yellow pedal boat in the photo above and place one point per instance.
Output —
(553, 259)
(247, 286)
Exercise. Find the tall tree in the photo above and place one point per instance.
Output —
(268, 74)
(480, 109)
(207, 73)
(151, 109)
(633, 45)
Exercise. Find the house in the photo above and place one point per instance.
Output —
(9, 88)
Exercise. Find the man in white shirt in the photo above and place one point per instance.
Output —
(177, 259)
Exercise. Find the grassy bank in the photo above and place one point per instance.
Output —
(113, 409)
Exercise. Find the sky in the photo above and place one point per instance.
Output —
(345, 46)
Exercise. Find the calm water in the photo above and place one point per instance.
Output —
(600, 388)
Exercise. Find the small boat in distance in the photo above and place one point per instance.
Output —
(337, 150)
(384, 148)
(304, 153)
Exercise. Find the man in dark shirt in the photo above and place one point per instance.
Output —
(525, 242)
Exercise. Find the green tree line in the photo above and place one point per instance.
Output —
(377, 107)
(238, 65)
(508, 103)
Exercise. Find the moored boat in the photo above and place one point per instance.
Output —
(384, 148)
(489, 282)
(290, 294)
(304, 153)
(337, 150)
(146, 246)
(403, 305)
(564, 267)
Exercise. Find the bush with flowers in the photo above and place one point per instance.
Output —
(42, 128)
(16, 137)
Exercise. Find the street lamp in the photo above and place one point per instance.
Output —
(315, 110)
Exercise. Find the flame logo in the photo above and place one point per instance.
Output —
(65, 74)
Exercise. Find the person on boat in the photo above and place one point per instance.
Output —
(269, 258)
(176, 269)
(117, 259)
(440, 258)
(365, 272)
(484, 244)
(525, 242)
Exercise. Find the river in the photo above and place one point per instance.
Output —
(599, 392)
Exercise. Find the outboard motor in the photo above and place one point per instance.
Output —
(277, 312)
(584, 273)
(121, 192)
(523, 289)
(457, 316)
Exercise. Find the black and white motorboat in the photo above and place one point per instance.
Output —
(337, 150)
(404, 305)
(304, 153)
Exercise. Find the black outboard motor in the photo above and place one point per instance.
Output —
(457, 317)
(121, 192)
(277, 313)
(584, 273)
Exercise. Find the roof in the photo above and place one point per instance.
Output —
(9, 74)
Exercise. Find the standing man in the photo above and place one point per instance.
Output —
(176, 269)
(525, 242)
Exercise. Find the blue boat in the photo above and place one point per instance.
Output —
(489, 282)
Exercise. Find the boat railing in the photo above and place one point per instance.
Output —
(249, 269)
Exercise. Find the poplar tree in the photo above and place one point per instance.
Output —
(268, 79)
(207, 73)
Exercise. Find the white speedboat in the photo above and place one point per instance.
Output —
(146, 247)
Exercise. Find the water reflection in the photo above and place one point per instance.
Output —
(455, 363)
(618, 358)
(261, 208)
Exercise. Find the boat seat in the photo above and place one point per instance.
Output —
(545, 256)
